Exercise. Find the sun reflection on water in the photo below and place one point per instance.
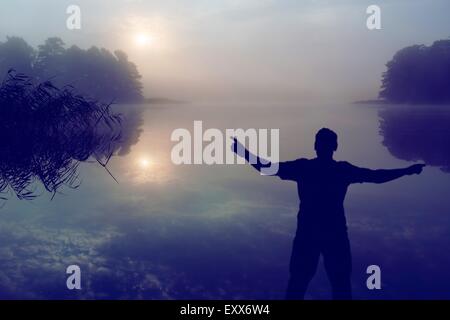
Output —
(143, 169)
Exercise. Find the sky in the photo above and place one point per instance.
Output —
(241, 50)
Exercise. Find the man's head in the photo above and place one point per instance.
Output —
(326, 143)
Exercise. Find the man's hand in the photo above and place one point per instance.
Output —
(415, 168)
(238, 148)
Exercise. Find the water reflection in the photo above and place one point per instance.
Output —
(418, 133)
(213, 232)
(131, 127)
(144, 169)
(47, 132)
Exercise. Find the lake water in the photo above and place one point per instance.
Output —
(223, 231)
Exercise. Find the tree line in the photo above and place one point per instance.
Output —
(94, 72)
(418, 74)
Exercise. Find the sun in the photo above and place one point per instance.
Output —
(143, 39)
(144, 162)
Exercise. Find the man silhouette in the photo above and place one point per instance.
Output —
(321, 226)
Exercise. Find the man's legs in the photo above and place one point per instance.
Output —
(303, 265)
(338, 264)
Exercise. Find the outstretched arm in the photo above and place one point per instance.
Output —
(254, 160)
(385, 175)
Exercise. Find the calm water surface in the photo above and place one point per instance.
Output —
(167, 231)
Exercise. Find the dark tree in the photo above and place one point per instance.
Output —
(131, 84)
(95, 72)
(418, 74)
(50, 60)
(16, 54)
